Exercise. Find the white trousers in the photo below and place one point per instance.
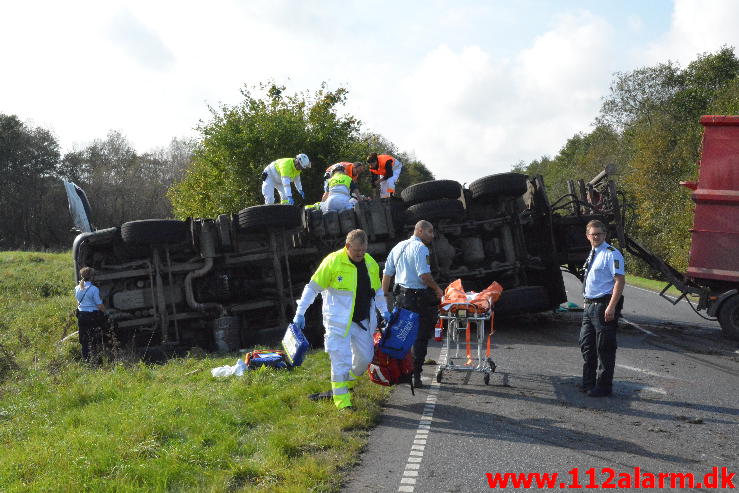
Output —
(349, 354)
(388, 186)
(268, 189)
(338, 202)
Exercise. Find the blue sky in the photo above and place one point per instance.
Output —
(469, 87)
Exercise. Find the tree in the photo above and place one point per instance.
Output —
(239, 141)
(29, 158)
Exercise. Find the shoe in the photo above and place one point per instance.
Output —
(417, 382)
(584, 388)
(321, 396)
(348, 409)
(597, 392)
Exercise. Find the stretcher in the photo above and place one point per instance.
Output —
(465, 315)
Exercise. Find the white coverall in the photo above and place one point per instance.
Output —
(389, 184)
(280, 174)
(349, 346)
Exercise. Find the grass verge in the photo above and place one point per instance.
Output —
(120, 427)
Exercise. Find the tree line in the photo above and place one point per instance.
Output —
(648, 126)
(218, 172)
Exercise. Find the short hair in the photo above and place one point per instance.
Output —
(423, 225)
(372, 158)
(594, 223)
(87, 273)
(356, 235)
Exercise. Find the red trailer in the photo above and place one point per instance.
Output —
(714, 252)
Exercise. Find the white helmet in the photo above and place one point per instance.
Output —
(303, 161)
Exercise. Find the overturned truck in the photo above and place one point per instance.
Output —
(230, 282)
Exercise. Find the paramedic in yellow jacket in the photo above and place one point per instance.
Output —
(280, 174)
(349, 283)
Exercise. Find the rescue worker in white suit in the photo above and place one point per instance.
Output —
(280, 174)
(349, 283)
(341, 191)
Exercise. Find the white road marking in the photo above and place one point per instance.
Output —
(647, 372)
(415, 455)
(637, 326)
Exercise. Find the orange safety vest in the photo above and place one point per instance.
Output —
(383, 161)
(348, 169)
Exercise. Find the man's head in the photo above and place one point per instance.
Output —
(302, 161)
(358, 168)
(87, 273)
(338, 169)
(595, 231)
(425, 231)
(356, 244)
(372, 160)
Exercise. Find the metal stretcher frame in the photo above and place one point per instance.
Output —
(458, 319)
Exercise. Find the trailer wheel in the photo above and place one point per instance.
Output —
(434, 210)
(526, 299)
(269, 216)
(728, 317)
(148, 231)
(431, 190)
(503, 184)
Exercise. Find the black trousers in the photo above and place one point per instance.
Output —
(426, 304)
(92, 333)
(598, 346)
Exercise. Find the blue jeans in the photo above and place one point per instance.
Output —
(598, 346)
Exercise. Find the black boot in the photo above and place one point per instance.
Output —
(417, 382)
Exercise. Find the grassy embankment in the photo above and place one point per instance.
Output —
(130, 426)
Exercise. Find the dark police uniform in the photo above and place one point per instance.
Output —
(598, 337)
(408, 261)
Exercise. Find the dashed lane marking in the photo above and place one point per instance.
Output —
(415, 455)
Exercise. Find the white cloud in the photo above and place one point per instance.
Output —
(466, 114)
(697, 27)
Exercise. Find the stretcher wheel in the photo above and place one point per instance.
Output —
(438, 376)
(487, 378)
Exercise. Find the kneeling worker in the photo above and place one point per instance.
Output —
(349, 283)
(280, 174)
(341, 192)
(351, 169)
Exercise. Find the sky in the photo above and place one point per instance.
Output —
(470, 88)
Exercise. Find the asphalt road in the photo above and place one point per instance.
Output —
(675, 408)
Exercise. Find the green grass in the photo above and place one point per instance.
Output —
(135, 427)
(651, 284)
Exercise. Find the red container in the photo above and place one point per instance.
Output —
(714, 252)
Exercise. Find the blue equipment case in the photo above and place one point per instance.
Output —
(295, 345)
(400, 333)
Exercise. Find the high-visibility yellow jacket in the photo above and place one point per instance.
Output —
(336, 281)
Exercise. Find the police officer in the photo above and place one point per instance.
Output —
(90, 318)
(280, 174)
(415, 289)
(349, 283)
(603, 287)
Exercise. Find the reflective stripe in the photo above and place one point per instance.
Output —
(343, 400)
(352, 379)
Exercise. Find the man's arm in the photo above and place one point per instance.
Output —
(387, 285)
(618, 289)
(429, 281)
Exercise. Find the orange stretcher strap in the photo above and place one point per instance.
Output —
(467, 339)
(492, 329)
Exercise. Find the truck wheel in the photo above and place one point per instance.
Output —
(434, 210)
(269, 216)
(149, 231)
(503, 184)
(431, 190)
(728, 317)
(526, 299)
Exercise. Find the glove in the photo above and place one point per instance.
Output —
(290, 201)
(302, 193)
(386, 316)
(299, 321)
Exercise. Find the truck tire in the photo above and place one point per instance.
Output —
(728, 317)
(503, 184)
(434, 210)
(269, 216)
(431, 190)
(526, 299)
(148, 231)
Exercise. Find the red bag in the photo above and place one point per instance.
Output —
(386, 370)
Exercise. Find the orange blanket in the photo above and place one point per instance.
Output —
(455, 298)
